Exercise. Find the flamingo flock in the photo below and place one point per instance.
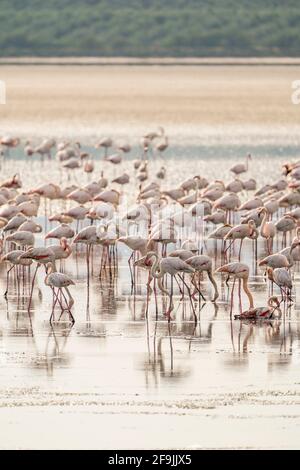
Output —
(172, 232)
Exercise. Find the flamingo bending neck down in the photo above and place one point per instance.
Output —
(238, 271)
(172, 266)
(261, 313)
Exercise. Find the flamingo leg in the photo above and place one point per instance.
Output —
(191, 301)
(32, 285)
(55, 299)
(171, 305)
(180, 290)
(7, 279)
(231, 298)
(88, 249)
(197, 287)
(240, 250)
(229, 246)
(149, 290)
(70, 304)
(155, 298)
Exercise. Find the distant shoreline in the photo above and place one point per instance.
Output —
(188, 61)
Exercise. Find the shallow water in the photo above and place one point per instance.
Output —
(121, 379)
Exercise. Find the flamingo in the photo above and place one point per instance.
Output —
(229, 203)
(82, 196)
(240, 168)
(30, 226)
(89, 166)
(216, 218)
(59, 281)
(267, 229)
(61, 251)
(282, 278)
(240, 232)
(154, 134)
(77, 213)
(250, 185)
(62, 230)
(220, 232)
(41, 255)
(172, 266)
(287, 223)
(251, 204)
(235, 186)
(202, 263)
(13, 258)
(29, 208)
(22, 238)
(116, 158)
(14, 182)
(261, 313)
(106, 143)
(161, 173)
(112, 196)
(136, 244)
(237, 271)
(15, 222)
(88, 236)
(162, 145)
(123, 179)
(183, 254)
(293, 252)
(124, 147)
(9, 142)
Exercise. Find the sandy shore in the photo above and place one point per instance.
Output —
(188, 101)
(151, 60)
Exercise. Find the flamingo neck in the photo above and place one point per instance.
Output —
(154, 273)
(247, 292)
(68, 250)
(212, 280)
(52, 269)
(162, 288)
(264, 221)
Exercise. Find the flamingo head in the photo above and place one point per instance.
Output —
(144, 262)
(273, 302)
(64, 242)
(262, 210)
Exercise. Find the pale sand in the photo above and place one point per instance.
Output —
(88, 101)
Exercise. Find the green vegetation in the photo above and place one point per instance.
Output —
(144, 28)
